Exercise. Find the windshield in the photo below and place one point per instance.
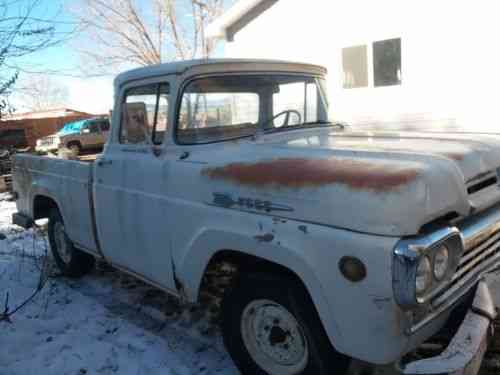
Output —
(220, 108)
(72, 127)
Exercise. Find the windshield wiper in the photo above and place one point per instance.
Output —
(310, 124)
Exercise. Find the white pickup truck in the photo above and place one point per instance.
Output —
(340, 244)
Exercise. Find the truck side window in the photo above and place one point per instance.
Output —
(105, 125)
(93, 127)
(144, 114)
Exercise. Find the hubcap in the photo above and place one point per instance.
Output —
(63, 249)
(274, 338)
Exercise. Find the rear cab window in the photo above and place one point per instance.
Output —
(144, 117)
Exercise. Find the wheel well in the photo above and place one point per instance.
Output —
(250, 264)
(71, 143)
(42, 206)
(226, 266)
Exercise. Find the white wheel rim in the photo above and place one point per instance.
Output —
(61, 242)
(274, 339)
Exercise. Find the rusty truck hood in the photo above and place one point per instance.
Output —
(381, 183)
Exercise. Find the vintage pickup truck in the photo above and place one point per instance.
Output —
(339, 243)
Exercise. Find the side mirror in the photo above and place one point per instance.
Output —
(85, 131)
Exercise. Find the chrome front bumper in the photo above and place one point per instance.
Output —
(46, 148)
(464, 354)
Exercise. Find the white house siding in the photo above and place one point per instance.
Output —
(450, 56)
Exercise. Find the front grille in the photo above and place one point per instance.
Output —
(475, 260)
(484, 181)
(482, 185)
(47, 141)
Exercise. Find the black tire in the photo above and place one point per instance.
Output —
(79, 262)
(323, 359)
(75, 148)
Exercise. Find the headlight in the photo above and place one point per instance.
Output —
(422, 265)
(423, 276)
(441, 262)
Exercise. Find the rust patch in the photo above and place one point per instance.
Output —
(302, 173)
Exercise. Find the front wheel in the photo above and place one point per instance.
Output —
(71, 261)
(270, 327)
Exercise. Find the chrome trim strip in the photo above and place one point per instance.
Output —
(472, 253)
(479, 228)
(491, 264)
(462, 271)
(441, 309)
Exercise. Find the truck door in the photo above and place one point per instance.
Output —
(104, 126)
(91, 138)
(131, 186)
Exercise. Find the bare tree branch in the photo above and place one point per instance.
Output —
(23, 34)
(130, 32)
(41, 92)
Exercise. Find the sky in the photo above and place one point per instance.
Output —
(93, 94)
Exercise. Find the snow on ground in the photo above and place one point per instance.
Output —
(104, 323)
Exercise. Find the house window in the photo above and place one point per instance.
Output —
(387, 62)
(355, 67)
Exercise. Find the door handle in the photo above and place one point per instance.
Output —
(103, 162)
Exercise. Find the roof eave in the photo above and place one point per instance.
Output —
(236, 18)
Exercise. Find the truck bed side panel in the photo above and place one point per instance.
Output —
(67, 183)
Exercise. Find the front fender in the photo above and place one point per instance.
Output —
(275, 240)
(362, 320)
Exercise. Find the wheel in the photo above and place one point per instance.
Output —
(75, 149)
(71, 261)
(270, 326)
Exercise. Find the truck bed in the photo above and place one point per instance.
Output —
(67, 183)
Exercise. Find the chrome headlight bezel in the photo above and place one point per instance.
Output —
(408, 254)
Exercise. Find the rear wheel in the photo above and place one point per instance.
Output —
(71, 261)
(75, 149)
(270, 327)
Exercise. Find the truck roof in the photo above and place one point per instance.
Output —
(217, 66)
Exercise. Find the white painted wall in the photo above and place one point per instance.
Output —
(450, 56)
